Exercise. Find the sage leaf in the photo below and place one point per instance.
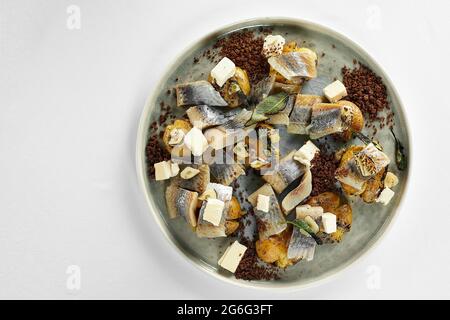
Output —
(256, 117)
(270, 105)
(400, 157)
(304, 226)
(273, 104)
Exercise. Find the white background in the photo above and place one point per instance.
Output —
(70, 101)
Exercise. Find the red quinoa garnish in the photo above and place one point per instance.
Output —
(251, 268)
(367, 90)
(323, 168)
(245, 50)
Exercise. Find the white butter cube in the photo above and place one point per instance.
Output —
(273, 45)
(263, 203)
(213, 211)
(196, 141)
(385, 196)
(329, 222)
(335, 91)
(223, 71)
(174, 168)
(306, 153)
(163, 170)
(306, 210)
(232, 257)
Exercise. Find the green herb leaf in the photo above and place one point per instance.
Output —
(400, 157)
(256, 117)
(272, 104)
(302, 225)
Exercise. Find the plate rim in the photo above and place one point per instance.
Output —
(201, 265)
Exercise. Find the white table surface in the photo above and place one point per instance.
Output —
(70, 101)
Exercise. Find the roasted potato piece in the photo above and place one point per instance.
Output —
(271, 250)
(184, 125)
(234, 210)
(373, 187)
(353, 117)
(329, 201)
(344, 216)
(231, 226)
(338, 235)
(241, 78)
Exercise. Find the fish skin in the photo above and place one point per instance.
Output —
(181, 202)
(265, 190)
(325, 119)
(301, 246)
(197, 183)
(198, 93)
(206, 229)
(272, 222)
(349, 174)
(288, 170)
(203, 116)
(294, 65)
(226, 173)
(301, 113)
(300, 193)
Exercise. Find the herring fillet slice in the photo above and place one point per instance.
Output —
(301, 246)
(198, 93)
(300, 116)
(326, 118)
(204, 116)
(181, 202)
(226, 173)
(288, 171)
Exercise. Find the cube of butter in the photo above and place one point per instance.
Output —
(163, 170)
(385, 196)
(223, 71)
(213, 211)
(232, 257)
(263, 203)
(329, 222)
(306, 153)
(335, 91)
(196, 141)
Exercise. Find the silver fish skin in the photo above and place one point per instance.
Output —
(272, 222)
(197, 183)
(206, 229)
(262, 89)
(226, 173)
(350, 175)
(294, 65)
(182, 202)
(326, 118)
(204, 116)
(288, 170)
(198, 93)
(301, 246)
(301, 113)
(300, 193)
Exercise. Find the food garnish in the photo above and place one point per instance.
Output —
(400, 157)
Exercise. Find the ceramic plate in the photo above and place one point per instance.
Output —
(369, 221)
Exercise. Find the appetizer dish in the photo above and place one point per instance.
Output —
(267, 157)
